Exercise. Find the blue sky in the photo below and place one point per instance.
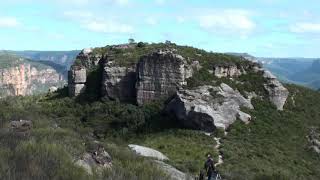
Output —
(274, 28)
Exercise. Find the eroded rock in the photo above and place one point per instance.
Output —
(89, 59)
(160, 74)
(95, 159)
(278, 94)
(171, 171)
(208, 107)
(228, 71)
(118, 83)
(148, 152)
(21, 127)
(77, 78)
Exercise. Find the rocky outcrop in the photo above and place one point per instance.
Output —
(25, 79)
(88, 59)
(77, 78)
(208, 107)
(314, 140)
(158, 157)
(172, 172)
(278, 94)
(95, 159)
(228, 71)
(21, 128)
(118, 83)
(148, 152)
(160, 74)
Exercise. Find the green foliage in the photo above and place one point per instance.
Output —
(274, 145)
(186, 149)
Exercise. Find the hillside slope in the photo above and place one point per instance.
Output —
(260, 138)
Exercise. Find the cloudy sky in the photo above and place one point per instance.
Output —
(277, 28)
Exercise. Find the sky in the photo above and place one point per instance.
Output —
(264, 28)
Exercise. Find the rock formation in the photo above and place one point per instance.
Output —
(314, 140)
(278, 94)
(164, 73)
(227, 71)
(118, 83)
(148, 152)
(95, 159)
(169, 170)
(24, 79)
(160, 74)
(88, 59)
(208, 107)
(77, 78)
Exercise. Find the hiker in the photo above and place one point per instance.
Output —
(210, 168)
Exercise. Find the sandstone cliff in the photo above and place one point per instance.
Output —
(159, 74)
(26, 79)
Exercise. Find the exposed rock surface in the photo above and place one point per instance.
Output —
(169, 170)
(88, 58)
(208, 107)
(314, 140)
(118, 83)
(22, 127)
(24, 79)
(227, 71)
(278, 94)
(148, 152)
(95, 159)
(160, 74)
(172, 172)
(77, 78)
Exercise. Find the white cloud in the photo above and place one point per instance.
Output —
(305, 28)
(151, 21)
(8, 22)
(108, 27)
(95, 23)
(122, 2)
(228, 21)
(181, 19)
(160, 2)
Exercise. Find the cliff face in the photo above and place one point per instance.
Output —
(160, 74)
(24, 79)
(118, 82)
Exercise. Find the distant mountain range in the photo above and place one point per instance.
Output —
(64, 58)
(303, 71)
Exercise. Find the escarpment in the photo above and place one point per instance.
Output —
(202, 90)
(27, 79)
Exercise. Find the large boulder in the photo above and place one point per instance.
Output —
(208, 107)
(227, 71)
(21, 127)
(160, 74)
(77, 78)
(148, 152)
(278, 94)
(171, 171)
(95, 159)
(118, 83)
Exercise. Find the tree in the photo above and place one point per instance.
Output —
(131, 41)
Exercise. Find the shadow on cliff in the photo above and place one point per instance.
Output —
(92, 92)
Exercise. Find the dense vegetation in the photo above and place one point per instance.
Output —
(61, 127)
(274, 145)
(131, 54)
